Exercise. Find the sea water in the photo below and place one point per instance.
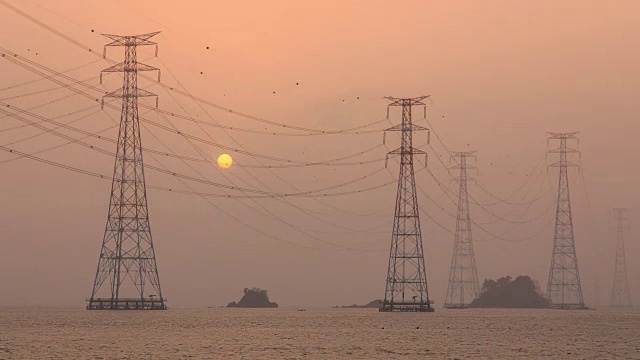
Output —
(319, 334)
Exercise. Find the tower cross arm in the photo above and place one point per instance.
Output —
(138, 93)
(461, 154)
(130, 42)
(119, 40)
(410, 127)
(408, 101)
(561, 150)
(121, 67)
(134, 40)
(122, 95)
(569, 135)
(412, 150)
(467, 167)
(561, 164)
(463, 178)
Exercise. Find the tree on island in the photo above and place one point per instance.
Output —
(254, 298)
(507, 292)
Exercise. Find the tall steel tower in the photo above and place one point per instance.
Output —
(127, 275)
(463, 277)
(406, 285)
(620, 295)
(563, 289)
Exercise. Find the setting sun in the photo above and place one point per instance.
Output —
(225, 161)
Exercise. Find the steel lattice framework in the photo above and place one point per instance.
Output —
(563, 288)
(127, 269)
(406, 285)
(620, 295)
(463, 277)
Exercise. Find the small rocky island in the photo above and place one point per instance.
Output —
(374, 304)
(254, 298)
(507, 292)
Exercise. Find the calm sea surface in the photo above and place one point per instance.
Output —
(318, 334)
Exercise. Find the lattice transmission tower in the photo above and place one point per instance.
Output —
(406, 285)
(620, 295)
(127, 275)
(563, 288)
(463, 276)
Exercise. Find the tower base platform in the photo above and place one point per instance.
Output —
(569, 306)
(456, 306)
(150, 303)
(405, 307)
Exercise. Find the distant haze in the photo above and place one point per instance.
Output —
(501, 74)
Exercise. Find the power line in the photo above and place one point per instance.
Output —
(15, 86)
(501, 238)
(209, 142)
(209, 103)
(107, 177)
(520, 221)
(269, 212)
(505, 200)
(248, 172)
(175, 174)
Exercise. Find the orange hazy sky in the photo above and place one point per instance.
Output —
(500, 74)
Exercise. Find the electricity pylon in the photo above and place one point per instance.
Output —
(463, 276)
(620, 295)
(406, 285)
(563, 288)
(127, 275)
